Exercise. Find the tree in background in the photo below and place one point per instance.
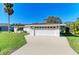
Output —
(77, 25)
(9, 10)
(74, 26)
(53, 20)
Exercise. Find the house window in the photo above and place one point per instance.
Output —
(50, 27)
(54, 27)
(0, 28)
(20, 29)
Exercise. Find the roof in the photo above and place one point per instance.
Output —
(46, 25)
(40, 24)
(36, 24)
(20, 24)
(31, 24)
(3, 24)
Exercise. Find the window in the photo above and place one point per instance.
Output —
(50, 27)
(0, 28)
(54, 27)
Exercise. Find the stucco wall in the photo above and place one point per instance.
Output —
(42, 30)
(15, 29)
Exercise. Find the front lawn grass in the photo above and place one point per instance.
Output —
(74, 42)
(10, 42)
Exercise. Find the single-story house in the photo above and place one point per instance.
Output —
(4, 27)
(41, 29)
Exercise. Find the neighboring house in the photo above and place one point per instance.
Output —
(41, 29)
(4, 27)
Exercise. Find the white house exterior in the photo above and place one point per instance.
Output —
(42, 29)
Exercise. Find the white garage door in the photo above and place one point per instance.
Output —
(53, 32)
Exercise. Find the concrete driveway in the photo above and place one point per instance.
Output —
(47, 45)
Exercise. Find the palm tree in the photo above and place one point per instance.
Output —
(8, 9)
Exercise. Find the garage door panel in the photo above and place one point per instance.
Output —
(47, 32)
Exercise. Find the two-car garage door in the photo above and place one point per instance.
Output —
(43, 32)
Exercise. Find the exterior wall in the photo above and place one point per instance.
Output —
(15, 29)
(42, 30)
(30, 31)
(4, 28)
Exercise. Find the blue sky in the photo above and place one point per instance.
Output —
(27, 13)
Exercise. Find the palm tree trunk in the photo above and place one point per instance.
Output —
(9, 23)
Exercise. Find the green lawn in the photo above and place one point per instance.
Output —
(9, 42)
(74, 42)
